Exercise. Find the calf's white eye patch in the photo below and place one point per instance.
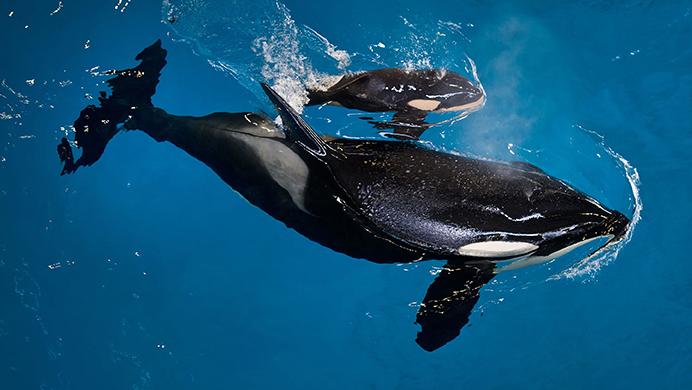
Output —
(424, 104)
(497, 249)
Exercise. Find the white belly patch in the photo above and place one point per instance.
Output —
(284, 166)
(531, 260)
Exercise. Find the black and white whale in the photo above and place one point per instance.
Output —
(410, 94)
(385, 201)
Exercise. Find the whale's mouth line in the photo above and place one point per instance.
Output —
(531, 259)
(612, 246)
(605, 247)
(591, 264)
(471, 106)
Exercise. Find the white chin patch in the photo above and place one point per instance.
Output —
(424, 104)
(531, 260)
(490, 249)
(473, 106)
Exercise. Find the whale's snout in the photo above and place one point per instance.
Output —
(617, 225)
(468, 98)
(608, 223)
(613, 225)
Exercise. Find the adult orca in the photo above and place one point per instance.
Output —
(385, 201)
(410, 94)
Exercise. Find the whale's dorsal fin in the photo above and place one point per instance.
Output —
(449, 301)
(295, 127)
(348, 80)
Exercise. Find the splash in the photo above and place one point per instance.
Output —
(14, 102)
(423, 45)
(284, 67)
(262, 42)
(57, 9)
(473, 71)
(414, 42)
(122, 5)
(589, 266)
(268, 45)
(341, 56)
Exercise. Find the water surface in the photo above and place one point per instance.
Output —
(146, 271)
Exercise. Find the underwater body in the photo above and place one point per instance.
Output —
(383, 201)
(171, 280)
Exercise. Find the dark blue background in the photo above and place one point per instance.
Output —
(145, 271)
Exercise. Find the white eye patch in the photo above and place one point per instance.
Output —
(424, 104)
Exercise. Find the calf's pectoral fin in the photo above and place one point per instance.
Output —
(408, 124)
(449, 301)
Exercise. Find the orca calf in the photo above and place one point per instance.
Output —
(410, 94)
(385, 201)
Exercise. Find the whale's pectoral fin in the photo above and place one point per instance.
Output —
(295, 127)
(66, 156)
(449, 301)
(409, 124)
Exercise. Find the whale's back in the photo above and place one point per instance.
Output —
(442, 202)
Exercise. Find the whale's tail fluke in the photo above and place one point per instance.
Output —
(131, 90)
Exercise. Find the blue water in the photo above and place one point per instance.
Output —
(146, 271)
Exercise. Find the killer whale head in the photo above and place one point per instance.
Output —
(462, 209)
(427, 90)
(554, 220)
(473, 213)
(447, 91)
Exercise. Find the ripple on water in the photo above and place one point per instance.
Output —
(590, 265)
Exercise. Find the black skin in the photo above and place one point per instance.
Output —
(211, 139)
(66, 156)
(97, 125)
(391, 90)
(383, 201)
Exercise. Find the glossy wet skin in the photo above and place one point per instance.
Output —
(428, 203)
(384, 201)
(438, 202)
(410, 94)
(400, 90)
(442, 202)
(407, 201)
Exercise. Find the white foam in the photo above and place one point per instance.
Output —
(268, 45)
(341, 56)
(589, 266)
(284, 67)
